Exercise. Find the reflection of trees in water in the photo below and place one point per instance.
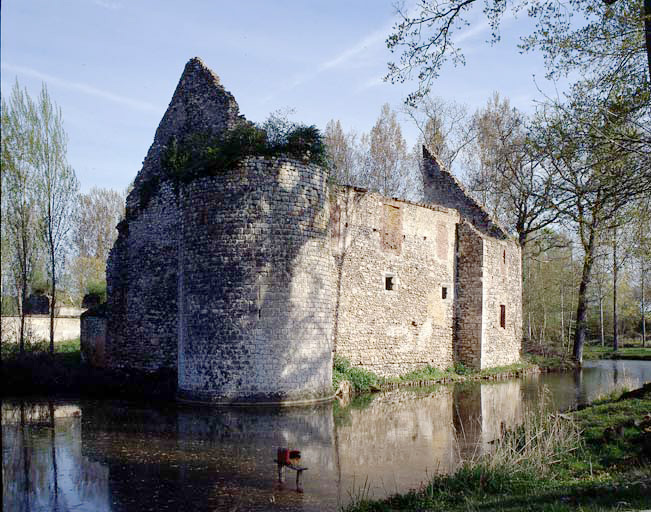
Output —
(42, 466)
(188, 457)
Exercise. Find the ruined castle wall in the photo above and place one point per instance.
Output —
(502, 306)
(375, 239)
(142, 285)
(255, 284)
(442, 188)
(117, 287)
(470, 292)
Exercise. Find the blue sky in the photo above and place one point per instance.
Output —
(112, 66)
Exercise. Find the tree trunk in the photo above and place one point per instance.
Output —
(643, 310)
(52, 302)
(601, 319)
(615, 268)
(581, 307)
(647, 31)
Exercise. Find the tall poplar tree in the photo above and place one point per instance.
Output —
(57, 189)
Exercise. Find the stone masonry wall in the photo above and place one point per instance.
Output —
(374, 239)
(256, 284)
(502, 288)
(470, 292)
(142, 270)
(440, 187)
(93, 339)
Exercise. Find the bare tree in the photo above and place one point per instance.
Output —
(97, 214)
(444, 126)
(57, 189)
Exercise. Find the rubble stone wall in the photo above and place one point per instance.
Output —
(470, 293)
(502, 291)
(255, 284)
(375, 239)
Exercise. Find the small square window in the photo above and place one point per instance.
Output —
(502, 316)
(389, 282)
(444, 292)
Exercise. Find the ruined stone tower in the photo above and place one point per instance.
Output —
(225, 278)
(247, 280)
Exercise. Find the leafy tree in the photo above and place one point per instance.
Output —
(592, 176)
(19, 197)
(57, 187)
(342, 152)
(385, 167)
(609, 39)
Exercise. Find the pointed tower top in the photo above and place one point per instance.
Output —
(200, 104)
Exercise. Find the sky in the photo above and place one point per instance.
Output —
(112, 66)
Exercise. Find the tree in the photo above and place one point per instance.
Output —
(443, 126)
(96, 216)
(342, 152)
(612, 41)
(19, 139)
(57, 188)
(385, 166)
(593, 176)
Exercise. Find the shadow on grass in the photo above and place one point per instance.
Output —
(37, 373)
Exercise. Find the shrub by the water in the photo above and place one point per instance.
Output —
(360, 379)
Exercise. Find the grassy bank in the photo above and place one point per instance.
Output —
(627, 351)
(363, 381)
(598, 458)
(36, 373)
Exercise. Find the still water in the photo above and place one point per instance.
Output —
(115, 456)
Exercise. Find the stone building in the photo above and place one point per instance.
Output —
(248, 282)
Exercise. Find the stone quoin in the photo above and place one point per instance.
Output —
(248, 282)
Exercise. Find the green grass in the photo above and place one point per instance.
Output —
(360, 379)
(364, 380)
(66, 350)
(626, 351)
(593, 459)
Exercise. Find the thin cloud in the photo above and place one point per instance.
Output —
(89, 90)
(369, 84)
(368, 41)
(108, 4)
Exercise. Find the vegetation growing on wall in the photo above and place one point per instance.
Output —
(201, 154)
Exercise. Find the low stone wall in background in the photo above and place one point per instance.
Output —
(93, 339)
(37, 328)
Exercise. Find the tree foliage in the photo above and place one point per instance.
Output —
(40, 190)
(606, 39)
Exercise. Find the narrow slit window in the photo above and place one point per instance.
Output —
(444, 292)
(504, 257)
(389, 282)
(503, 316)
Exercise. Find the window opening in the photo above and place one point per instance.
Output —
(389, 283)
(502, 316)
(444, 293)
(504, 256)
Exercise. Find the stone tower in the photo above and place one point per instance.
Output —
(227, 278)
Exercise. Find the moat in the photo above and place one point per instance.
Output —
(118, 456)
